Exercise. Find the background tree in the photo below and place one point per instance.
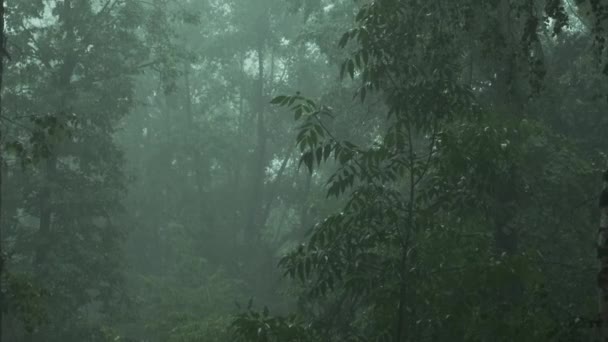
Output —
(61, 216)
(434, 185)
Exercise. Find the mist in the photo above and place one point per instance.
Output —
(303, 170)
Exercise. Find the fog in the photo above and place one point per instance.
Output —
(303, 170)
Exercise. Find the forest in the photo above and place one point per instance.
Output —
(303, 170)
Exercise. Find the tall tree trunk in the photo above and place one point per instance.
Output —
(188, 95)
(510, 91)
(259, 156)
(46, 214)
(602, 253)
(509, 80)
(63, 83)
(2, 55)
(401, 332)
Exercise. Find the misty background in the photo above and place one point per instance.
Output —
(301, 170)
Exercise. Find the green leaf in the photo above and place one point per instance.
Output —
(326, 152)
(319, 154)
(298, 114)
(307, 159)
(278, 99)
(344, 40)
(351, 68)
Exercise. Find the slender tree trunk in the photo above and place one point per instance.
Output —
(507, 79)
(63, 83)
(401, 333)
(188, 95)
(237, 166)
(63, 80)
(259, 155)
(2, 55)
(602, 252)
(46, 214)
(511, 101)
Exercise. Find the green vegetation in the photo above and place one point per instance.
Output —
(301, 170)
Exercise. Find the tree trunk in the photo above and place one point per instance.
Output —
(46, 214)
(2, 55)
(188, 96)
(63, 80)
(602, 252)
(510, 89)
(401, 332)
(510, 83)
(63, 83)
(259, 156)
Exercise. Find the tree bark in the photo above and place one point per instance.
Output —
(63, 83)
(2, 55)
(602, 253)
(510, 89)
(259, 156)
(63, 80)
(401, 332)
(46, 214)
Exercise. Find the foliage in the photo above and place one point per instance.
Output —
(431, 177)
(64, 97)
(262, 327)
(443, 177)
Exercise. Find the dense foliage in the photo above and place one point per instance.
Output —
(301, 170)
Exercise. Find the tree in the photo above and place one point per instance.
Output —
(2, 56)
(67, 81)
(603, 307)
(441, 203)
(194, 146)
